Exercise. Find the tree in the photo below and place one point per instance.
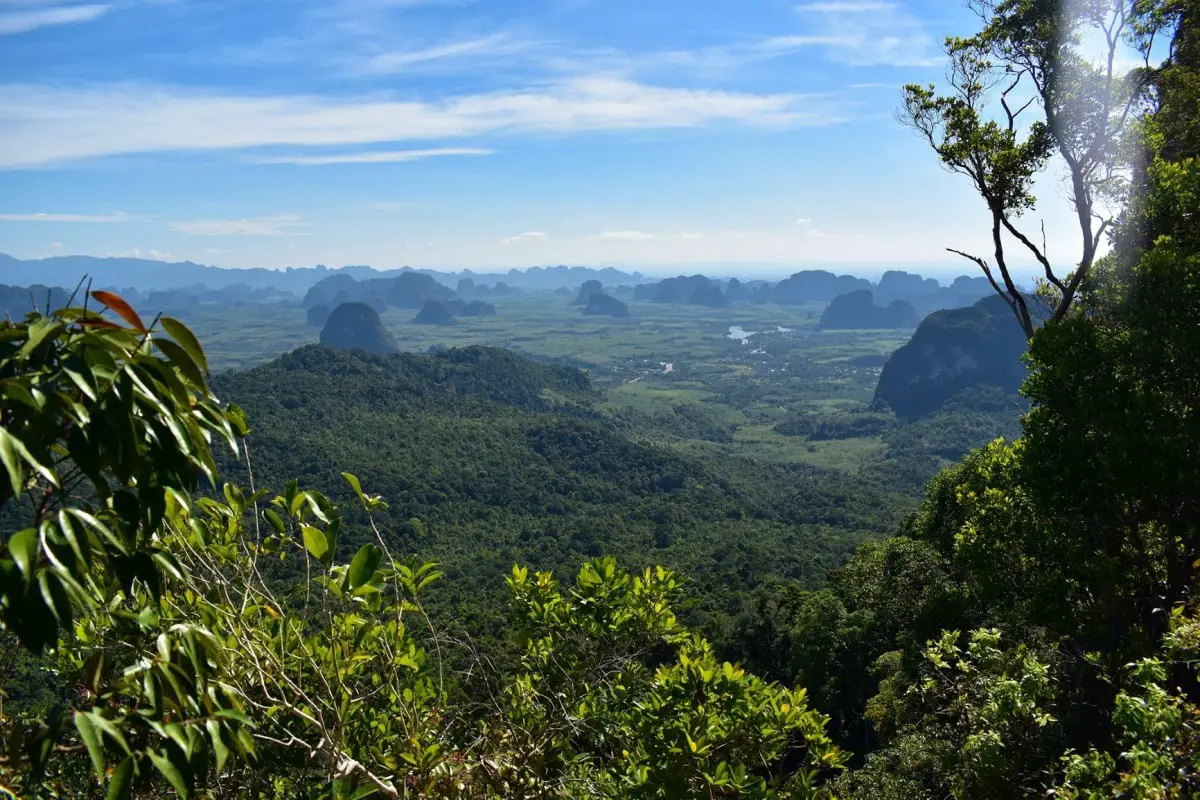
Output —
(105, 430)
(974, 725)
(232, 642)
(1054, 100)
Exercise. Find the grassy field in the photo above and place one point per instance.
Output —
(676, 365)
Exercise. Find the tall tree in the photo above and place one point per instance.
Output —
(1026, 89)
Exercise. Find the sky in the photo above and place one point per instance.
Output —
(747, 136)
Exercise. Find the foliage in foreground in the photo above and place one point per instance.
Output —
(195, 669)
(1034, 633)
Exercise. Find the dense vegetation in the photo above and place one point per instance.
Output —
(952, 351)
(1033, 630)
(489, 459)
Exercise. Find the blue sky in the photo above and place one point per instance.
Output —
(750, 136)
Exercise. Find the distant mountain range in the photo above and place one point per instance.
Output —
(919, 295)
(146, 275)
(255, 284)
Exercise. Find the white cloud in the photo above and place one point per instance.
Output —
(375, 157)
(137, 252)
(48, 125)
(796, 42)
(279, 225)
(14, 22)
(527, 236)
(626, 235)
(119, 216)
(847, 7)
(56, 246)
(867, 33)
(803, 221)
(388, 63)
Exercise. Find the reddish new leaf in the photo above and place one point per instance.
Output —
(122, 309)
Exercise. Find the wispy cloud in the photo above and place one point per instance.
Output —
(279, 225)
(374, 157)
(527, 236)
(491, 46)
(803, 221)
(866, 33)
(151, 253)
(39, 15)
(847, 6)
(119, 216)
(627, 236)
(47, 125)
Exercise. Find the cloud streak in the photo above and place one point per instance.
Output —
(494, 45)
(48, 125)
(527, 236)
(17, 22)
(865, 33)
(279, 225)
(626, 236)
(119, 216)
(374, 157)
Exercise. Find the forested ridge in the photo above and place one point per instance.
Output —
(206, 589)
(488, 459)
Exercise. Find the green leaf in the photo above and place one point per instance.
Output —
(355, 485)
(18, 392)
(55, 595)
(363, 567)
(91, 740)
(23, 546)
(180, 359)
(315, 541)
(219, 747)
(186, 339)
(237, 419)
(12, 462)
(114, 733)
(170, 772)
(120, 786)
(38, 332)
(274, 519)
(10, 448)
(233, 714)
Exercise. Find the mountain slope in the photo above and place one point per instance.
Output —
(951, 351)
(487, 458)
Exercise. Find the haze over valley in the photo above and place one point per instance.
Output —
(578, 400)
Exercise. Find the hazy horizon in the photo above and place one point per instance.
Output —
(767, 272)
(668, 137)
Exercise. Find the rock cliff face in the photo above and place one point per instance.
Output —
(689, 289)
(815, 285)
(586, 291)
(17, 301)
(475, 308)
(356, 326)
(318, 316)
(857, 311)
(603, 305)
(406, 290)
(952, 350)
(434, 313)
(708, 294)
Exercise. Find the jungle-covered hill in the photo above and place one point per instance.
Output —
(487, 458)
